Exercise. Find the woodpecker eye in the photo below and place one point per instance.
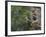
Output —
(34, 18)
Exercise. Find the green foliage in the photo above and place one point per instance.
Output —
(18, 18)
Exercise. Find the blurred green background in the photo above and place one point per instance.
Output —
(20, 18)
